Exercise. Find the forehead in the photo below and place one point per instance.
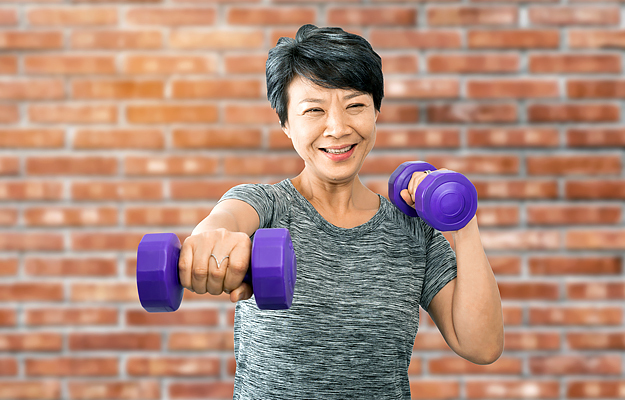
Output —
(301, 88)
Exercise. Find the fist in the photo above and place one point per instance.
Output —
(216, 261)
(409, 194)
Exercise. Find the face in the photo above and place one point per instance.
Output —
(333, 130)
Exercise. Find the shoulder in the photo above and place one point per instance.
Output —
(413, 226)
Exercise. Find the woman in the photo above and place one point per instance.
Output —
(364, 267)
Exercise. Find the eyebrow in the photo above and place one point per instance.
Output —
(347, 97)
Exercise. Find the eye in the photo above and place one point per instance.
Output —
(313, 110)
(356, 105)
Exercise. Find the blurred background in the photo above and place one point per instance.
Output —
(124, 117)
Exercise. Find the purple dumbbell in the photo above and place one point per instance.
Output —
(272, 271)
(446, 200)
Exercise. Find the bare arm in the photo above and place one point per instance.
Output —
(232, 215)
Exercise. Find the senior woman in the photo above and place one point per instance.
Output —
(364, 267)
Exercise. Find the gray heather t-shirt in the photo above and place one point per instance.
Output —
(350, 331)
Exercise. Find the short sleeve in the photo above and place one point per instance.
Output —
(440, 266)
(260, 196)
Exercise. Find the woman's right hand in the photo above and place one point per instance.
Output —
(224, 270)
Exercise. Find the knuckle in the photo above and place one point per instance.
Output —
(199, 273)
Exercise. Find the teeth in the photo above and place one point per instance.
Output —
(339, 151)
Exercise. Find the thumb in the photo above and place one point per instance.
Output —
(243, 292)
(405, 194)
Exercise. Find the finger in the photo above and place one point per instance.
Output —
(217, 266)
(185, 264)
(417, 177)
(405, 194)
(243, 292)
(200, 268)
(238, 263)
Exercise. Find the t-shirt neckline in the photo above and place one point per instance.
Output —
(318, 219)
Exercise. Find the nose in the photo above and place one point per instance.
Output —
(337, 123)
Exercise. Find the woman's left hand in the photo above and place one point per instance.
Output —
(409, 194)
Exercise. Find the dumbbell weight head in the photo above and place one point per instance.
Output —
(446, 200)
(273, 264)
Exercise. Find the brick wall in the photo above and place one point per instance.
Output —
(119, 118)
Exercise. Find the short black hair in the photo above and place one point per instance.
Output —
(328, 57)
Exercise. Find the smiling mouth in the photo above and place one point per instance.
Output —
(342, 150)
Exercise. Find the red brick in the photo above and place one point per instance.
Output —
(71, 165)
(421, 88)
(31, 342)
(32, 138)
(117, 191)
(163, 114)
(188, 317)
(473, 63)
(40, 40)
(9, 113)
(165, 216)
(253, 113)
(32, 90)
(595, 239)
(173, 17)
(399, 64)
(8, 266)
(455, 366)
(8, 217)
(605, 164)
(575, 63)
(9, 166)
(216, 138)
(87, 267)
(532, 341)
(398, 113)
(205, 189)
(414, 39)
(596, 39)
(596, 89)
(117, 89)
(511, 89)
(595, 189)
(213, 390)
(477, 164)
(573, 215)
(216, 89)
(596, 290)
(466, 16)
(430, 389)
(48, 292)
(8, 318)
(201, 341)
(174, 366)
(31, 390)
(513, 137)
(72, 114)
(8, 17)
(417, 138)
(267, 16)
(534, 189)
(116, 40)
(73, 216)
(70, 367)
(255, 166)
(472, 113)
(372, 16)
(62, 64)
(498, 216)
(31, 241)
(529, 291)
(521, 240)
(63, 17)
(119, 139)
(564, 16)
(8, 65)
(245, 63)
(169, 65)
(507, 389)
(104, 292)
(217, 40)
(175, 165)
(594, 389)
(573, 112)
(148, 390)
(81, 240)
(595, 137)
(8, 367)
(513, 39)
(31, 190)
(114, 341)
(576, 316)
(594, 340)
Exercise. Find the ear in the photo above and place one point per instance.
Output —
(376, 115)
(286, 129)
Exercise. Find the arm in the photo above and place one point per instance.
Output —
(467, 310)
(232, 215)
